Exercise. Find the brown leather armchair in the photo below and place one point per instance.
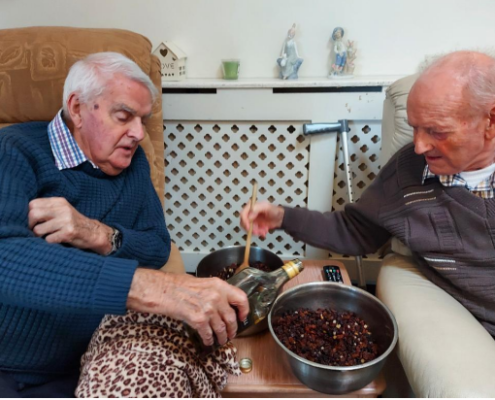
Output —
(34, 63)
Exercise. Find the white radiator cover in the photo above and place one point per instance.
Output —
(217, 145)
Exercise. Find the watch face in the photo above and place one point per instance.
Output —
(116, 240)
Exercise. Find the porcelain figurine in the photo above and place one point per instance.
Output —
(289, 61)
(339, 52)
(351, 58)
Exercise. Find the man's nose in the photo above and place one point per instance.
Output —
(422, 142)
(137, 130)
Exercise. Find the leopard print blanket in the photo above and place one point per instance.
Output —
(148, 355)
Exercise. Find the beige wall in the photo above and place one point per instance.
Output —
(393, 36)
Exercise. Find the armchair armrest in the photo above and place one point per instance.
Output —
(175, 264)
(444, 350)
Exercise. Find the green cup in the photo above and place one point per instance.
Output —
(230, 68)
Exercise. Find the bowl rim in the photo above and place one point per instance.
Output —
(235, 247)
(377, 360)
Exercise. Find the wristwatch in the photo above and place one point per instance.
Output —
(115, 240)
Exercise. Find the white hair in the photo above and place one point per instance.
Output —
(478, 78)
(89, 77)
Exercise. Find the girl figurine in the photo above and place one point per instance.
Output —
(340, 52)
(289, 61)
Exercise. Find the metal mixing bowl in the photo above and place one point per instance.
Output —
(214, 262)
(339, 297)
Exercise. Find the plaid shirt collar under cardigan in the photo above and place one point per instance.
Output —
(65, 149)
(484, 189)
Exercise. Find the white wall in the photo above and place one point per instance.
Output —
(392, 36)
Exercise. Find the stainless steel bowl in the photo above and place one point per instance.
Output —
(339, 297)
(214, 262)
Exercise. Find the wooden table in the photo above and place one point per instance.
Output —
(271, 375)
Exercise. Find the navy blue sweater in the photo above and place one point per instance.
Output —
(53, 296)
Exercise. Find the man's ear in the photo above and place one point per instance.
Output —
(490, 127)
(74, 107)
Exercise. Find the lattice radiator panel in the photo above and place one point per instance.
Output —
(210, 168)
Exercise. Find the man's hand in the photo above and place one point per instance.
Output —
(265, 216)
(205, 304)
(58, 222)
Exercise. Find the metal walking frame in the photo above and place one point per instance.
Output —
(341, 127)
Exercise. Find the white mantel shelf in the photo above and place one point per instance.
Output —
(269, 83)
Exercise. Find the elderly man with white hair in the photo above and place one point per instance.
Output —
(83, 234)
(436, 196)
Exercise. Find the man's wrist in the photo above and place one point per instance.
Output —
(103, 239)
(280, 216)
(142, 294)
(108, 241)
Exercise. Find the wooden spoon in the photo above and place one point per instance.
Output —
(245, 263)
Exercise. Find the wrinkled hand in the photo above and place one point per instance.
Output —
(58, 222)
(265, 216)
(205, 304)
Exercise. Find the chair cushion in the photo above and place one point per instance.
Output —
(396, 132)
(34, 63)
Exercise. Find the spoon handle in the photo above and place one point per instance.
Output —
(245, 263)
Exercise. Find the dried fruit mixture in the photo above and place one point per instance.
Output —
(229, 270)
(326, 336)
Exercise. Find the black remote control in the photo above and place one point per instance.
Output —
(332, 273)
